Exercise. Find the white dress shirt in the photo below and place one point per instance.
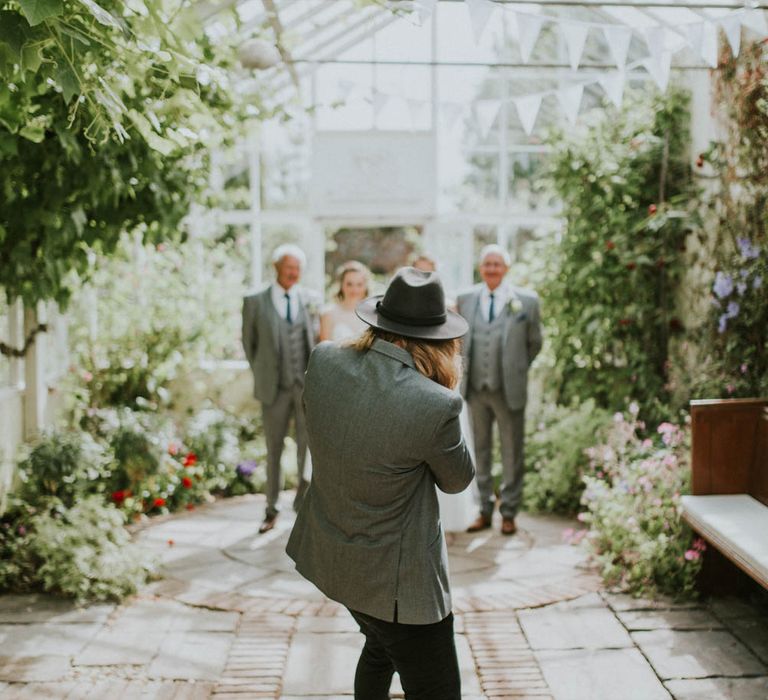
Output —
(501, 296)
(281, 303)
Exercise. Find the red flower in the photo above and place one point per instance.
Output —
(190, 460)
(119, 496)
(159, 502)
(631, 265)
(625, 321)
(171, 543)
(610, 245)
(186, 482)
(652, 209)
(700, 162)
(190, 506)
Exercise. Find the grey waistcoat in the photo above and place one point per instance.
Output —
(292, 341)
(485, 356)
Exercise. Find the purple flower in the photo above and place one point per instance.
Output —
(246, 469)
(741, 287)
(747, 249)
(757, 283)
(733, 309)
(722, 323)
(723, 285)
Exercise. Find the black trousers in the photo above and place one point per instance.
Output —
(424, 656)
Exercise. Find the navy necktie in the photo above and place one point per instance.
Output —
(491, 310)
(288, 308)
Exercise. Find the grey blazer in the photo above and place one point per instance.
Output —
(381, 436)
(522, 342)
(260, 338)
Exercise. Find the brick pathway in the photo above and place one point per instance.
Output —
(231, 619)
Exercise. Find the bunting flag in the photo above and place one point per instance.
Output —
(709, 44)
(527, 111)
(659, 69)
(731, 25)
(425, 9)
(694, 36)
(618, 39)
(451, 111)
(345, 89)
(570, 101)
(613, 86)
(486, 111)
(380, 100)
(575, 36)
(655, 38)
(528, 30)
(755, 20)
(480, 12)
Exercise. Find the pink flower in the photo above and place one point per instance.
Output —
(730, 388)
(691, 555)
(87, 376)
(581, 517)
(699, 545)
(743, 368)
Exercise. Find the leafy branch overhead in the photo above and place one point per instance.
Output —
(107, 112)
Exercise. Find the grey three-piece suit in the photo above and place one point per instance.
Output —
(382, 436)
(278, 352)
(497, 355)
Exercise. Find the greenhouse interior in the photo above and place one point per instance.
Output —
(260, 257)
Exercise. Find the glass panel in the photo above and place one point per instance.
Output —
(527, 190)
(5, 363)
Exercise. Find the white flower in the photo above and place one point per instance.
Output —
(515, 305)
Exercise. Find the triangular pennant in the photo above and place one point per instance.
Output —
(618, 39)
(709, 44)
(694, 36)
(731, 25)
(425, 8)
(654, 38)
(755, 20)
(528, 30)
(345, 89)
(451, 112)
(379, 101)
(659, 70)
(486, 111)
(570, 101)
(527, 110)
(480, 12)
(575, 36)
(416, 109)
(613, 85)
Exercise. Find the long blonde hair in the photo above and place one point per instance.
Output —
(438, 360)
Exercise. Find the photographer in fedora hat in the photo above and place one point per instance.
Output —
(383, 424)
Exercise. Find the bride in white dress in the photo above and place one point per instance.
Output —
(339, 320)
(457, 510)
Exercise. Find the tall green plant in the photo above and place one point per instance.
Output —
(624, 182)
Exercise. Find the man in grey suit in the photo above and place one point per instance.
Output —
(383, 425)
(503, 340)
(280, 328)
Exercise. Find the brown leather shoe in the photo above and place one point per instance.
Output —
(480, 523)
(508, 526)
(268, 524)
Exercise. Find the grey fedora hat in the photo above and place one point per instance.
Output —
(413, 306)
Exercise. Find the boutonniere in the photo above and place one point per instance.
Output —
(515, 306)
(311, 307)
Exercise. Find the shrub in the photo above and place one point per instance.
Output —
(632, 499)
(86, 553)
(555, 456)
(65, 465)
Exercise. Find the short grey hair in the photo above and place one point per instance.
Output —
(292, 250)
(495, 249)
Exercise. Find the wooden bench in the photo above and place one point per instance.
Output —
(729, 502)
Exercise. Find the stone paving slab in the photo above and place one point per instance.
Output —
(573, 625)
(621, 602)
(109, 690)
(26, 669)
(191, 655)
(686, 619)
(600, 674)
(719, 689)
(753, 633)
(697, 654)
(39, 639)
(36, 607)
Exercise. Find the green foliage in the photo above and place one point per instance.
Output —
(86, 553)
(632, 501)
(63, 465)
(18, 569)
(734, 341)
(555, 455)
(610, 295)
(106, 113)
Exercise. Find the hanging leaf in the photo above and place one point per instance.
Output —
(37, 11)
(68, 82)
(12, 35)
(101, 15)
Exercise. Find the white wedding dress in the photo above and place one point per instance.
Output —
(457, 510)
